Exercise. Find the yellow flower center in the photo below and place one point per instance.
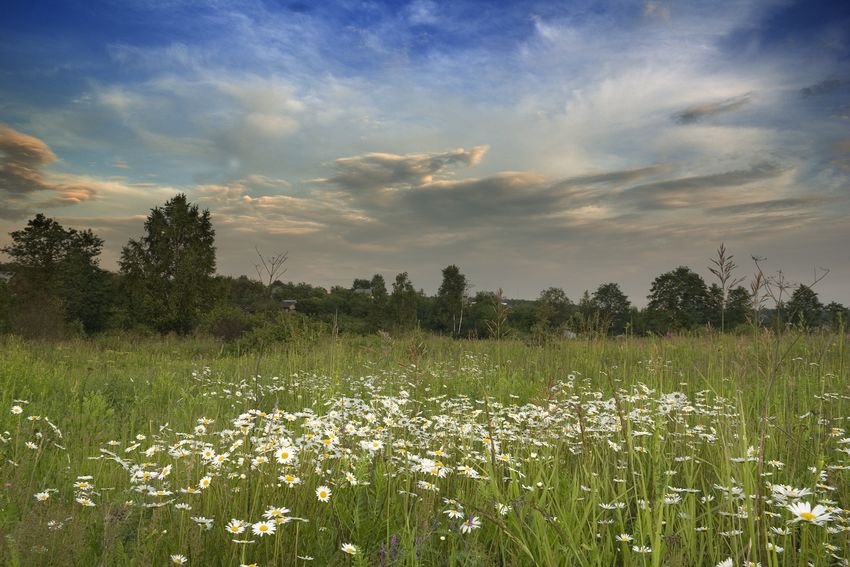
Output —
(808, 516)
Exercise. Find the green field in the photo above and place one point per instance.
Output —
(639, 451)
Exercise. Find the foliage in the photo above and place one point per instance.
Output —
(57, 278)
(403, 302)
(562, 452)
(679, 300)
(168, 271)
(451, 298)
(804, 308)
(613, 304)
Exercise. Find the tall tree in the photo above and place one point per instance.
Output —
(804, 308)
(679, 300)
(169, 270)
(451, 298)
(59, 267)
(739, 307)
(553, 309)
(613, 305)
(380, 300)
(403, 301)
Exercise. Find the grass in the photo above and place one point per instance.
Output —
(436, 452)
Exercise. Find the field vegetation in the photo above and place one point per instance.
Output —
(423, 450)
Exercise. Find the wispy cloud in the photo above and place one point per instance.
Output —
(700, 112)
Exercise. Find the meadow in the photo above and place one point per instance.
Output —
(421, 450)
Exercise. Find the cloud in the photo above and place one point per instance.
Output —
(374, 171)
(700, 112)
(826, 86)
(24, 183)
(698, 190)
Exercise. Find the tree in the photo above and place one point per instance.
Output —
(380, 299)
(57, 270)
(739, 307)
(169, 270)
(678, 300)
(450, 299)
(837, 315)
(553, 309)
(613, 306)
(403, 302)
(804, 308)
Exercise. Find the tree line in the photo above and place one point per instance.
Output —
(53, 285)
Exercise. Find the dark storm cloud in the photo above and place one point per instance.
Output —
(700, 112)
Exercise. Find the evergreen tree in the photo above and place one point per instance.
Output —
(450, 299)
(169, 271)
(403, 302)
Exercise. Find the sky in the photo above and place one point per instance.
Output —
(533, 144)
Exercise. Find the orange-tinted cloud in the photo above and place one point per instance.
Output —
(25, 185)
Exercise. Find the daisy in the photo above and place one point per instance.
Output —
(349, 548)
(17, 410)
(273, 513)
(263, 528)
(178, 559)
(804, 511)
(290, 479)
(235, 526)
(625, 538)
(471, 523)
(284, 455)
(323, 493)
(204, 482)
(42, 496)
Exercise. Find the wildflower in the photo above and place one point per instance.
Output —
(273, 513)
(323, 493)
(284, 455)
(206, 523)
(263, 528)
(471, 523)
(349, 548)
(803, 511)
(641, 549)
(625, 538)
(17, 410)
(42, 496)
(235, 526)
(178, 559)
(85, 502)
(204, 482)
(454, 513)
(503, 509)
(290, 479)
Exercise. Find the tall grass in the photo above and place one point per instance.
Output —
(691, 450)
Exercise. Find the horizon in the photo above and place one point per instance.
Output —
(540, 145)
